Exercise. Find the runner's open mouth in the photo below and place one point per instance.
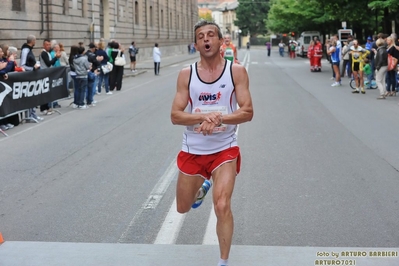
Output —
(207, 47)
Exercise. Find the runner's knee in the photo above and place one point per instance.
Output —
(222, 206)
(183, 206)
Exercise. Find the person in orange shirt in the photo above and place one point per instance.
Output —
(228, 50)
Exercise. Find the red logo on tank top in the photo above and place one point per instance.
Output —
(209, 98)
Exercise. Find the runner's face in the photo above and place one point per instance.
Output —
(227, 39)
(208, 42)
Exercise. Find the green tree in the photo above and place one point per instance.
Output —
(388, 9)
(206, 16)
(251, 16)
(364, 17)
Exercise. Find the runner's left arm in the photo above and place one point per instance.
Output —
(243, 95)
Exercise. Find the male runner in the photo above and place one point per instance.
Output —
(211, 90)
(228, 49)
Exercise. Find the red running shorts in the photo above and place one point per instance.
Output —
(204, 165)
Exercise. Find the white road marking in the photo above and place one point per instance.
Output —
(155, 196)
(171, 226)
(159, 190)
(175, 65)
(255, 63)
(248, 57)
(210, 237)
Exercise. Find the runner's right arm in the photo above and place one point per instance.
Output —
(178, 115)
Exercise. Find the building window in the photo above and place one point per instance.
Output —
(136, 13)
(74, 4)
(171, 22)
(121, 12)
(161, 18)
(18, 5)
(65, 7)
(151, 17)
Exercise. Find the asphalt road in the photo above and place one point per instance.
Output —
(319, 166)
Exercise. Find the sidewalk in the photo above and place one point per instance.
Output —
(148, 64)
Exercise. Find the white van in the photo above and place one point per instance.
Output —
(304, 41)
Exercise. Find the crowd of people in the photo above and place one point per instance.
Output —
(377, 60)
(90, 69)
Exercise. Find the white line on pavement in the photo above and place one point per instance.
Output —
(171, 226)
(210, 237)
(248, 56)
(155, 196)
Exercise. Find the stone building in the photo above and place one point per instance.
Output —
(167, 22)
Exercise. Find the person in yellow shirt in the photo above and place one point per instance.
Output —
(358, 54)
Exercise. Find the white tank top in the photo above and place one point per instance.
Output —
(216, 96)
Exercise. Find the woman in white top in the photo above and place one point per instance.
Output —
(64, 60)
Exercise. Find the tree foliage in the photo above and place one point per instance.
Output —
(364, 17)
(206, 16)
(251, 16)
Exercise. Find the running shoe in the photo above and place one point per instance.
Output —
(205, 188)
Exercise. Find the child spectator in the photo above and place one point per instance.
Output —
(367, 71)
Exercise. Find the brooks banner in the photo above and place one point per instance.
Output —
(24, 90)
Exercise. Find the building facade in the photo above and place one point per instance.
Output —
(170, 23)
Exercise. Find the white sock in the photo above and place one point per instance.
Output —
(200, 193)
(223, 262)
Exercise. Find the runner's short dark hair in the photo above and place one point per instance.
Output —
(204, 22)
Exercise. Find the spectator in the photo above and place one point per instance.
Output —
(116, 75)
(103, 77)
(334, 52)
(12, 56)
(93, 73)
(367, 72)
(47, 61)
(64, 57)
(9, 63)
(281, 46)
(28, 62)
(345, 57)
(8, 122)
(350, 44)
(72, 73)
(133, 52)
(391, 74)
(82, 65)
(156, 54)
(55, 50)
(358, 54)
(292, 48)
(381, 65)
(268, 46)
